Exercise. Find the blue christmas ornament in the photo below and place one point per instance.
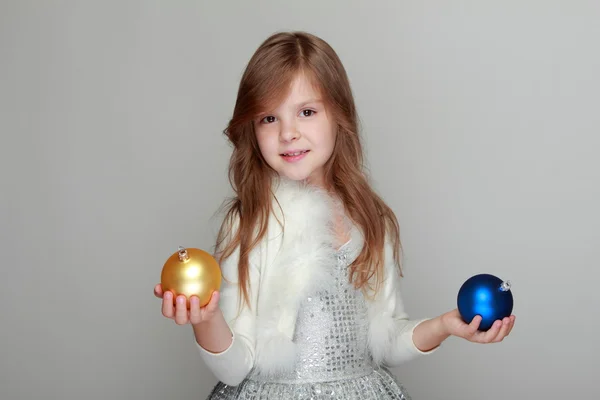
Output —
(485, 295)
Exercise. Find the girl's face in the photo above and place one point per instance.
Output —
(297, 138)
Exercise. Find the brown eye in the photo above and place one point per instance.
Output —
(307, 113)
(268, 119)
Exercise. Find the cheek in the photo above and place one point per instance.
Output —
(324, 134)
(266, 144)
(331, 137)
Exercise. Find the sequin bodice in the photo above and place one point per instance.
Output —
(331, 332)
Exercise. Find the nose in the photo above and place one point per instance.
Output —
(288, 132)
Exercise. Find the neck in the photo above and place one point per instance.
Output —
(318, 180)
(315, 182)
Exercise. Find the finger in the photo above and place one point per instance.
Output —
(195, 314)
(181, 311)
(158, 291)
(490, 335)
(503, 330)
(167, 305)
(511, 324)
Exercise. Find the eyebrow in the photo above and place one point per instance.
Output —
(310, 101)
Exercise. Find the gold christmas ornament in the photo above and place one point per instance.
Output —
(191, 272)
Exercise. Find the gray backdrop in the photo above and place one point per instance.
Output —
(481, 125)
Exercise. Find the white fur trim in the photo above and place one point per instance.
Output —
(304, 262)
(275, 353)
(302, 265)
(381, 332)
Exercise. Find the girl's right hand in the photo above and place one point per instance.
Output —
(180, 313)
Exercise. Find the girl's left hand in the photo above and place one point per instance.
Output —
(455, 326)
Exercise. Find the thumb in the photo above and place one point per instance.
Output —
(213, 304)
(473, 325)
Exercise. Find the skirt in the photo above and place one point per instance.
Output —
(378, 385)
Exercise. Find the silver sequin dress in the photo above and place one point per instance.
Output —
(333, 360)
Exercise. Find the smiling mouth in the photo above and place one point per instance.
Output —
(295, 153)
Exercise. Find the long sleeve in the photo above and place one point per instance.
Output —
(402, 347)
(391, 327)
(233, 364)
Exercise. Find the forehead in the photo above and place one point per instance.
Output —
(302, 87)
(300, 90)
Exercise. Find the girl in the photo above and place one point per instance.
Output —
(310, 305)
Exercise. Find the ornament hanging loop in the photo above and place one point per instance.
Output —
(505, 286)
(183, 254)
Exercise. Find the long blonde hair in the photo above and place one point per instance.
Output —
(264, 84)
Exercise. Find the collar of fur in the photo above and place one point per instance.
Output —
(301, 243)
